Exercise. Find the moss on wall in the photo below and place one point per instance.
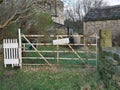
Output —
(109, 69)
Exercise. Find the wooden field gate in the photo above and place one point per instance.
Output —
(63, 52)
(56, 51)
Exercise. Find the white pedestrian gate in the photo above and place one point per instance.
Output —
(11, 52)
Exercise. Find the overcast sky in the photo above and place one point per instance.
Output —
(111, 2)
(114, 2)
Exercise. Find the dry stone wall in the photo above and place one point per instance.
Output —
(109, 68)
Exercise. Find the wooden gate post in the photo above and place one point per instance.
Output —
(97, 49)
(57, 51)
(20, 47)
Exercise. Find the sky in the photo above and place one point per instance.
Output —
(70, 2)
(114, 2)
(111, 2)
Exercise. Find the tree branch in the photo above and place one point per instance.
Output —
(7, 22)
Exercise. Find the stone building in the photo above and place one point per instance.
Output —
(104, 18)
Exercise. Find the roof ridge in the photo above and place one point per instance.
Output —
(103, 13)
(106, 7)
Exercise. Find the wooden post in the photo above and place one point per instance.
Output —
(24, 47)
(20, 48)
(57, 51)
(96, 49)
(85, 47)
(99, 50)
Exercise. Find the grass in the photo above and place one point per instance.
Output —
(45, 78)
(62, 79)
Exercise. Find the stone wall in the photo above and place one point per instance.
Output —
(109, 68)
(93, 27)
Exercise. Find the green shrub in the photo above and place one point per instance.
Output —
(116, 57)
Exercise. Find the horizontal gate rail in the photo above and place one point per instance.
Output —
(60, 51)
(56, 58)
(57, 52)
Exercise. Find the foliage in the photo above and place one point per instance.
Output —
(42, 22)
(116, 57)
(108, 69)
(42, 79)
(11, 31)
(28, 14)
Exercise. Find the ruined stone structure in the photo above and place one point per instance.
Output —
(104, 18)
(56, 9)
(59, 18)
(53, 7)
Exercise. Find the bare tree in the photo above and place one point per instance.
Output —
(81, 7)
(13, 10)
(75, 12)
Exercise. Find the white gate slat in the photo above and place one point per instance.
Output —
(10, 52)
(6, 53)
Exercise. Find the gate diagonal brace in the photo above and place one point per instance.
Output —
(37, 51)
(75, 52)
